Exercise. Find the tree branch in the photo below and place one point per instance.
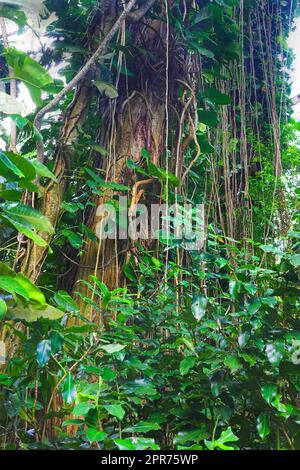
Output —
(81, 74)
(138, 14)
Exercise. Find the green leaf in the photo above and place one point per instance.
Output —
(269, 392)
(193, 44)
(140, 387)
(82, 409)
(71, 207)
(77, 422)
(11, 195)
(108, 374)
(24, 166)
(107, 88)
(69, 392)
(26, 229)
(10, 165)
(113, 348)
(98, 148)
(29, 215)
(34, 293)
(209, 118)
(129, 272)
(43, 352)
(271, 249)
(42, 170)
(142, 427)
(234, 288)
(194, 435)
(136, 443)
(26, 69)
(94, 435)
(187, 364)
(115, 410)
(74, 239)
(205, 146)
(263, 425)
(30, 312)
(17, 16)
(65, 301)
(217, 97)
(57, 341)
(226, 437)
(3, 308)
(295, 260)
(233, 363)
(9, 284)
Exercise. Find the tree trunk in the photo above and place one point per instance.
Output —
(32, 256)
(140, 127)
(137, 122)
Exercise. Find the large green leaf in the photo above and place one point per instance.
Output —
(94, 435)
(112, 348)
(222, 443)
(42, 170)
(209, 118)
(269, 392)
(107, 88)
(65, 301)
(23, 164)
(187, 364)
(9, 284)
(26, 69)
(30, 312)
(115, 410)
(43, 352)
(232, 362)
(10, 165)
(82, 409)
(194, 435)
(17, 16)
(142, 427)
(74, 239)
(217, 97)
(34, 293)
(29, 215)
(136, 443)
(25, 228)
(69, 392)
(57, 341)
(263, 425)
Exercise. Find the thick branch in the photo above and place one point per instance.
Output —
(138, 14)
(85, 69)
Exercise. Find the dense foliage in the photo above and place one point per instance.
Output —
(141, 344)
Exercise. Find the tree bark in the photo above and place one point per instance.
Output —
(142, 127)
(32, 257)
